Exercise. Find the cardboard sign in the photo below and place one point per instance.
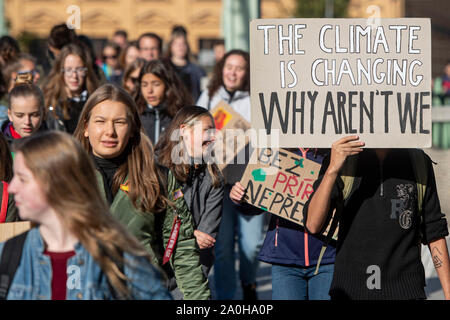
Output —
(280, 182)
(323, 79)
(232, 149)
(11, 229)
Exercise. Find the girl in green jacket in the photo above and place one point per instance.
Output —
(143, 196)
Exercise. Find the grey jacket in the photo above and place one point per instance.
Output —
(205, 202)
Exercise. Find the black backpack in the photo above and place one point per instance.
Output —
(12, 252)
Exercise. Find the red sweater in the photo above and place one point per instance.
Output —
(59, 270)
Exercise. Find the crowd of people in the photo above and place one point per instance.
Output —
(87, 155)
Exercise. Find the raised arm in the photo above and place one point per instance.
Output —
(320, 201)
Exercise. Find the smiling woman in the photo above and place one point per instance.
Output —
(185, 148)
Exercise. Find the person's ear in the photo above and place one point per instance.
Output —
(9, 115)
(86, 133)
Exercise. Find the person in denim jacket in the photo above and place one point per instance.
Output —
(78, 250)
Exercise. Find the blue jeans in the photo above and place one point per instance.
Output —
(250, 233)
(297, 283)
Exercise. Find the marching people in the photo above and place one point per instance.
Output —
(293, 253)
(143, 196)
(185, 148)
(159, 95)
(67, 88)
(76, 250)
(231, 83)
(388, 204)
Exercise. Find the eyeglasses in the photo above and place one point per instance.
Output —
(69, 71)
(109, 57)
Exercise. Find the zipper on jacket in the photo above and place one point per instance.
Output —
(276, 233)
(381, 180)
(157, 125)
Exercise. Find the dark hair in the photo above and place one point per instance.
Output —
(113, 45)
(121, 32)
(175, 94)
(9, 49)
(153, 36)
(179, 30)
(217, 77)
(137, 64)
(170, 143)
(60, 35)
(6, 163)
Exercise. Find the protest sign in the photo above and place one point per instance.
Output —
(280, 182)
(323, 79)
(11, 229)
(232, 149)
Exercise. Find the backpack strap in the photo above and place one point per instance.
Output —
(4, 207)
(10, 260)
(347, 175)
(421, 173)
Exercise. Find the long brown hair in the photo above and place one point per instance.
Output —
(54, 89)
(6, 163)
(171, 143)
(79, 203)
(175, 94)
(217, 77)
(146, 183)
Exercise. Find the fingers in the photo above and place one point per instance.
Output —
(204, 240)
(237, 192)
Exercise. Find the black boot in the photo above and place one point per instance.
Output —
(249, 292)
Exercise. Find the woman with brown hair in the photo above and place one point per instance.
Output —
(179, 55)
(68, 86)
(77, 251)
(131, 76)
(159, 96)
(143, 196)
(186, 149)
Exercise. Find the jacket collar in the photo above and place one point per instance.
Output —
(238, 95)
(38, 243)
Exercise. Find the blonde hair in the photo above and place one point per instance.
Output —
(78, 202)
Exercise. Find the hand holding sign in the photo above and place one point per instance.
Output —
(341, 149)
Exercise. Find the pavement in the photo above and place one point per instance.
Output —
(433, 287)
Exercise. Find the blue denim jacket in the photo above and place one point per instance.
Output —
(85, 279)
